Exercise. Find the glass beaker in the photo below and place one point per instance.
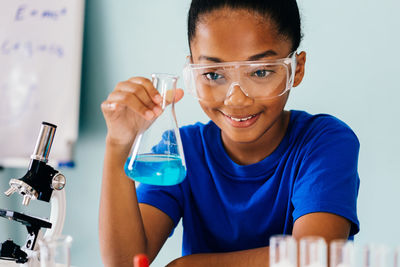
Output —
(55, 251)
(313, 252)
(157, 154)
(282, 251)
(342, 253)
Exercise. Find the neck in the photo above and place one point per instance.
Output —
(255, 151)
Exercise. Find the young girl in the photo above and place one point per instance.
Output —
(254, 170)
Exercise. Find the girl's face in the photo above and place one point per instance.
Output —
(237, 35)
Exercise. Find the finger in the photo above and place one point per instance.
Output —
(137, 89)
(141, 92)
(108, 106)
(178, 94)
(173, 95)
(148, 85)
(130, 101)
(109, 109)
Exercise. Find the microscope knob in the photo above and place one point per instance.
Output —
(24, 189)
(26, 200)
(58, 182)
(11, 191)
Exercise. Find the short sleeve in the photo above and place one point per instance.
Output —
(168, 199)
(327, 179)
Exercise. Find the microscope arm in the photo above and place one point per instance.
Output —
(57, 213)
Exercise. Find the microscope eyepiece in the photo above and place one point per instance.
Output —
(44, 142)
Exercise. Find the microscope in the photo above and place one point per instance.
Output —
(41, 182)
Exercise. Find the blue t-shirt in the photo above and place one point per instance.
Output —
(225, 206)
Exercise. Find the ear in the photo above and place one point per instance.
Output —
(300, 68)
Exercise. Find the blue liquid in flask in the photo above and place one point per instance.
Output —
(156, 169)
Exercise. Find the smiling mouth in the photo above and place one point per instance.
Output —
(241, 119)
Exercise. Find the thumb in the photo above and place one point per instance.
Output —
(178, 94)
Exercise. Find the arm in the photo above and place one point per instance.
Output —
(326, 225)
(125, 227)
(251, 257)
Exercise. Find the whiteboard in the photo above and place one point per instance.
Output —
(40, 76)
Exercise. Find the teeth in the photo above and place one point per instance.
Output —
(242, 119)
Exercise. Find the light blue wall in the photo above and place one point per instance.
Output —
(352, 72)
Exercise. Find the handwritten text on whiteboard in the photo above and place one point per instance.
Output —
(24, 12)
(30, 49)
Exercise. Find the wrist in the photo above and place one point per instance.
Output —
(118, 143)
(118, 151)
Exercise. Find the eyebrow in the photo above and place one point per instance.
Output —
(268, 53)
(261, 55)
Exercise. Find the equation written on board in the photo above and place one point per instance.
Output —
(25, 12)
(30, 49)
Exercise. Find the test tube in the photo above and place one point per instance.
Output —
(396, 260)
(313, 252)
(282, 251)
(375, 255)
(342, 253)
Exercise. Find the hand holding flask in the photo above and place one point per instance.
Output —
(157, 154)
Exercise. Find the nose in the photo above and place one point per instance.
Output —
(236, 96)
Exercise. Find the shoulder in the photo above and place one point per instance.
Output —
(319, 127)
(321, 134)
(196, 130)
(320, 121)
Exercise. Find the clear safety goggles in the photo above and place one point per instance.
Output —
(262, 80)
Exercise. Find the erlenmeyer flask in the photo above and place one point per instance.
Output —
(157, 153)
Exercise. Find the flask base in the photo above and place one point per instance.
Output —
(156, 169)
